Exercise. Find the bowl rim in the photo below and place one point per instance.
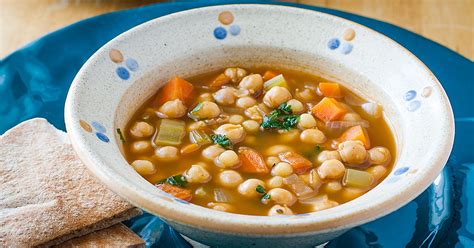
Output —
(258, 225)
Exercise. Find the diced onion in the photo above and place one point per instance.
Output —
(298, 186)
(373, 109)
(346, 124)
(220, 195)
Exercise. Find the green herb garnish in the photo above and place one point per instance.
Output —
(121, 135)
(318, 149)
(177, 180)
(280, 118)
(260, 189)
(222, 140)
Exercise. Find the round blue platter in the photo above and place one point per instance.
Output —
(35, 79)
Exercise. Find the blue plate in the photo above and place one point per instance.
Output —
(35, 79)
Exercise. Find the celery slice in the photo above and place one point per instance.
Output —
(275, 81)
(357, 178)
(199, 137)
(170, 132)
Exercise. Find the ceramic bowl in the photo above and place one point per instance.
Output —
(128, 70)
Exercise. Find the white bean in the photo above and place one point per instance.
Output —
(282, 169)
(306, 121)
(207, 110)
(141, 146)
(229, 178)
(276, 96)
(326, 155)
(197, 174)
(352, 152)
(275, 182)
(211, 152)
(234, 132)
(379, 155)
(225, 96)
(312, 136)
(144, 167)
(236, 119)
(253, 83)
(249, 187)
(141, 129)
(296, 106)
(227, 159)
(282, 196)
(251, 126)
(279, 210)
(332, 169)
(246, 102)
(173, 109)
(167, 153)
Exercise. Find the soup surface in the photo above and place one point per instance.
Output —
(260, 141)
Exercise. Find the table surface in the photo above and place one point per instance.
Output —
(449, 22)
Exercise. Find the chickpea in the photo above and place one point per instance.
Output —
(173, 109)
(306, 121)
(312, 136)
(234, 132)
(197, 174)
(229, 178)
(227, 159)
(377, 171)
(253, 83)
(211, 152)
(225, 96)
(282, 196)
(275, 182)
(253, 113)
(279, 210)
(296, 106)
(167, 153)
(289, 136)
(219, 206)
(276, 96)
(208, 110)
(333, 186)
(249, 187)
(141, 129)
(332, 169)
(196, 126)
(305, 95)
(271, 161)
(246, 102)
(277, 149)
(141, 146)
(350, 193)
(144, 167)
(352, 152)
(282, 169)
(351, 117)
(251, 126)
(379, 155)
(236, 119)
(326, 155)
(235, 74)
(205, 97)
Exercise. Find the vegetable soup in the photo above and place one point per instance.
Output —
(260, 141)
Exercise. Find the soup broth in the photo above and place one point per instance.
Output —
(260, 141)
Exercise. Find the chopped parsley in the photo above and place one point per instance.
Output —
(280, 118)
(121, 135)
(318, 149)
(262, 191)
(177, 180)
(222, 140)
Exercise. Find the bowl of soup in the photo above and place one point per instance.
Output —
(259, 125)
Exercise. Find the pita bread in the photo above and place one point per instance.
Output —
(115, 236)
(47, 194)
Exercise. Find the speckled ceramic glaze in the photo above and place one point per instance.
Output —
(125, 72)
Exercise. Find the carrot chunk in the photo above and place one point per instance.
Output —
(329, 109)
(176, 88)
(252, 161)
(181, 193)
(300, 164)
(356, 133)
(330, 89)
(220, 80)
(269, 75)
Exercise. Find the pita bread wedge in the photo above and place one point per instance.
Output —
(115, 236)
(47, 195)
